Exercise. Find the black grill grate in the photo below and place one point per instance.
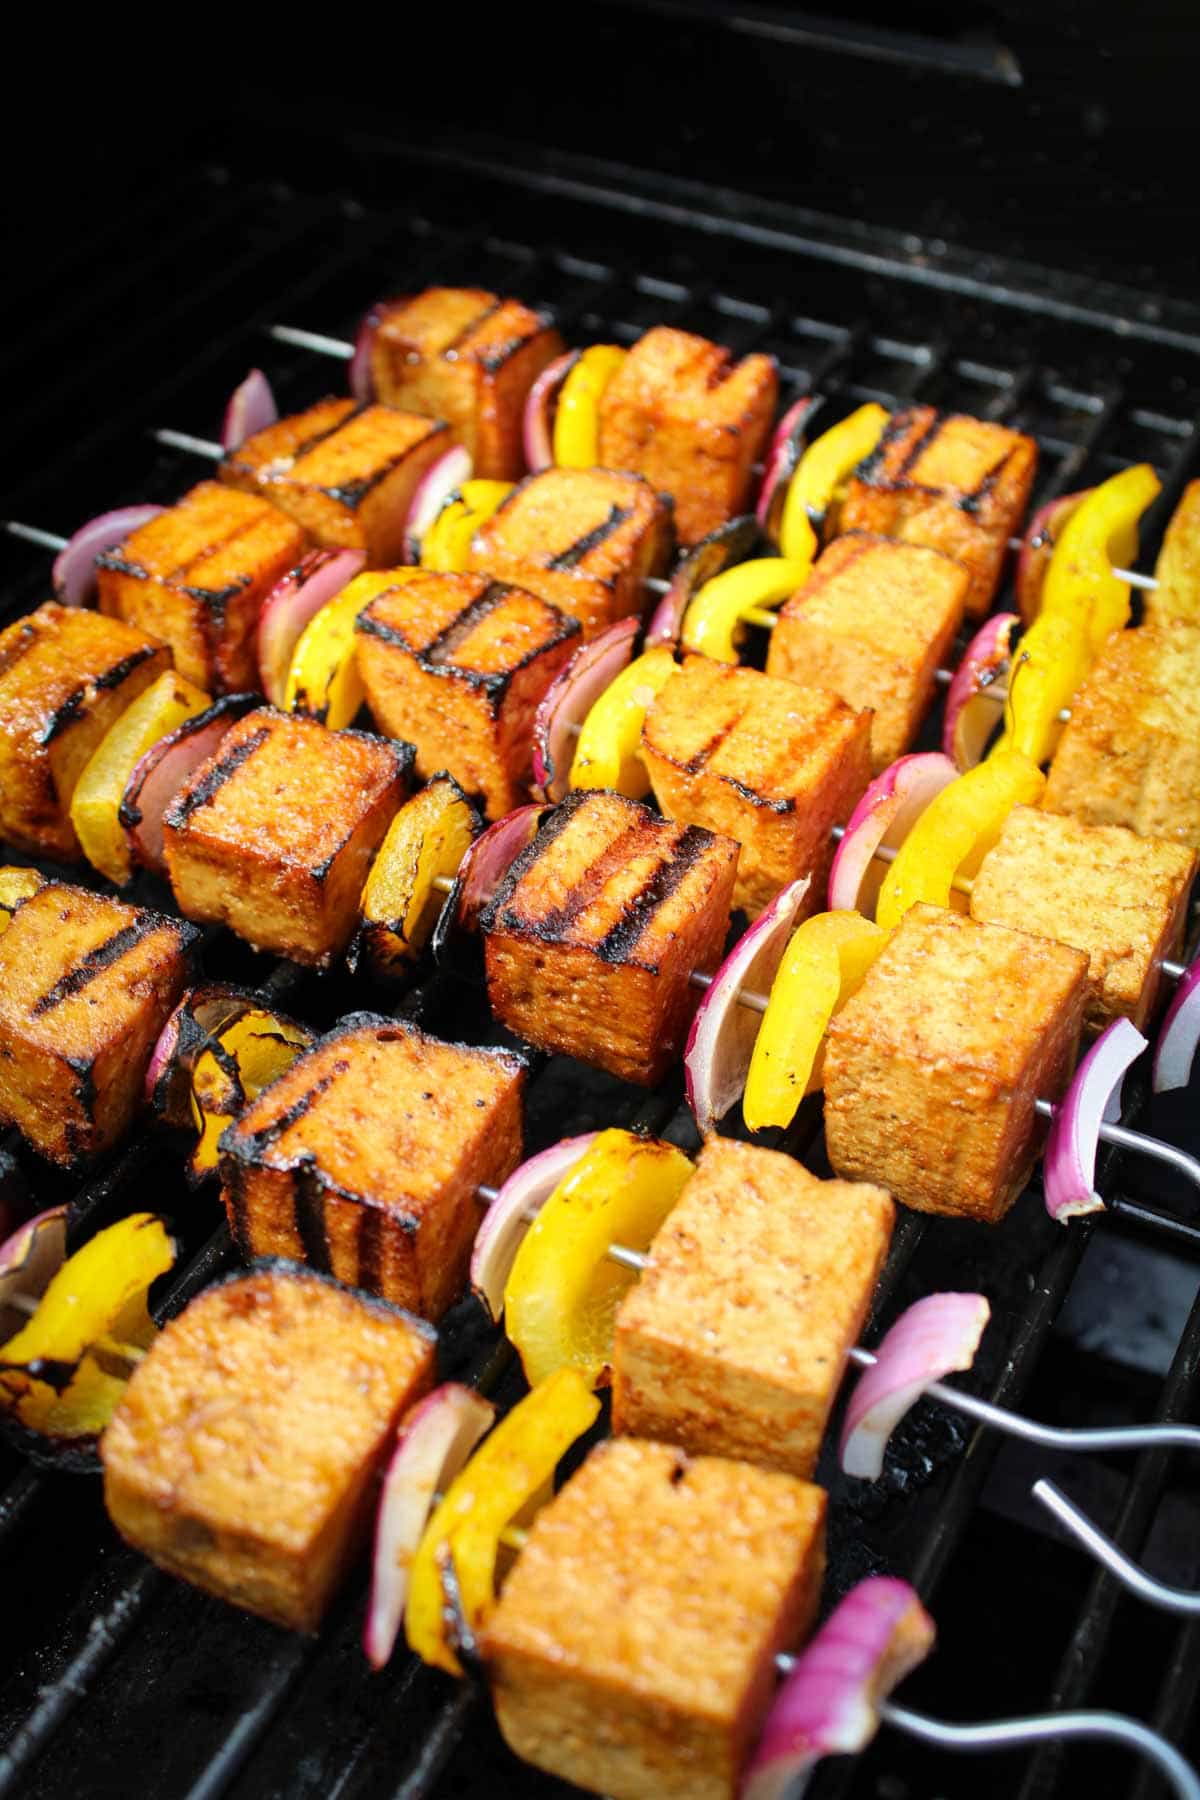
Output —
(109, 1667)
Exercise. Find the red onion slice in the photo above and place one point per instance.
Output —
(538, 419)
(828, 1705)
(783, 454)
(1175, 1052)
(489, 859)
(730, 543)
(251, 408)
(721, 1041)
(568, 701)
(883, 818)
(508, 1217)
(29, 1261)
(158, 775)
(935, 1337)
(1093, 1099)
(74, 573)
(1037, 547)
(970, 717)
(290, 605)
(431, 493)
(434, 1442)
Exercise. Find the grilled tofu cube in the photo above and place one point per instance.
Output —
(245, 1452)
(86, 986)
(592, 936)
(66, 675)
(1130, 753)
(1121, 898)
(733, 1342)
(682, 413)
(457, 664)
(584, 539)
(275, 833)
(1177, 596)
(953, 483)
(770, 764)
(466, 356)
(344, 472)
(874, 623)
(632, 1648)
(196, 577)
(933, 1068)
(364, 1157)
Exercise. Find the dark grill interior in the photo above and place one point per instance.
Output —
(113, 1673)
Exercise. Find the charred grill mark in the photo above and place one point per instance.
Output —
(320, 871)
(72, 707)
(218, 598)
(973, 502)
(695, 763)
(785, 805)
(184, 805)
(441, 648)
(351, 494)
(23, 642)
(93, 964)
(279, 467)
(574, 554)
(249, 1146)
(233, 705)
(450, 352)
(636, 838)
(921, 442)
(122, 565)
(177, 577)
(495, 910)
(619, 943)
(308, 1209)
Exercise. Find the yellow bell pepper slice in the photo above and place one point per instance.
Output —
(63, 1373)
(1050, 664)
(323, 679)
(712, 624)
(561, 1299)
(824, 468)
(1101, 532)
(427, 839)
(608, 754)
(96, 803)
(826, 961)
(509, 1468)
(577, 415)
(16, 885)
(955, 833)
(252, 1053)
(446, 545)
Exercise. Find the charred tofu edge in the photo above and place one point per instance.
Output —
(564, 561)
(350, 494)
(437, 657)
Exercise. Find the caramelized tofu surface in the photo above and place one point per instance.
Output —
(933, 1068)
(1177, 571)
(632, 1648)
(682, 413)
(274, 835)
(1121, 898)
(458, 665)
(343, 471)
(466, 356)
(591, 938)
(66, 676)
(364, 1157)
(196, 577)
(1130, 753)
(873, 624)
(245, 1453)
(584, 539)
(769, 763)
(86, 986)
(953, 483)
(734, 1340)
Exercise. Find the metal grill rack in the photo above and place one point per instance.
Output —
(113, 1677)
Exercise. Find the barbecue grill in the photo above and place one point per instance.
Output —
(115, 1678)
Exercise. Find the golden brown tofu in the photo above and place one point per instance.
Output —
(1130, 753)
(1121, 898)
(245, 1453)
(466, 356)
(86, 986)
(733, 1342)
(458, 664)
(773, 765)
(584, 539)
(196, 577)
(933, 1068)
(1178, 567)
(345, 472)
(682, 413)
(66, 676)
(953, 483)
(274, 835)
(874, 623)
(591, 939)
(632, 1649)
(363, 1159)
